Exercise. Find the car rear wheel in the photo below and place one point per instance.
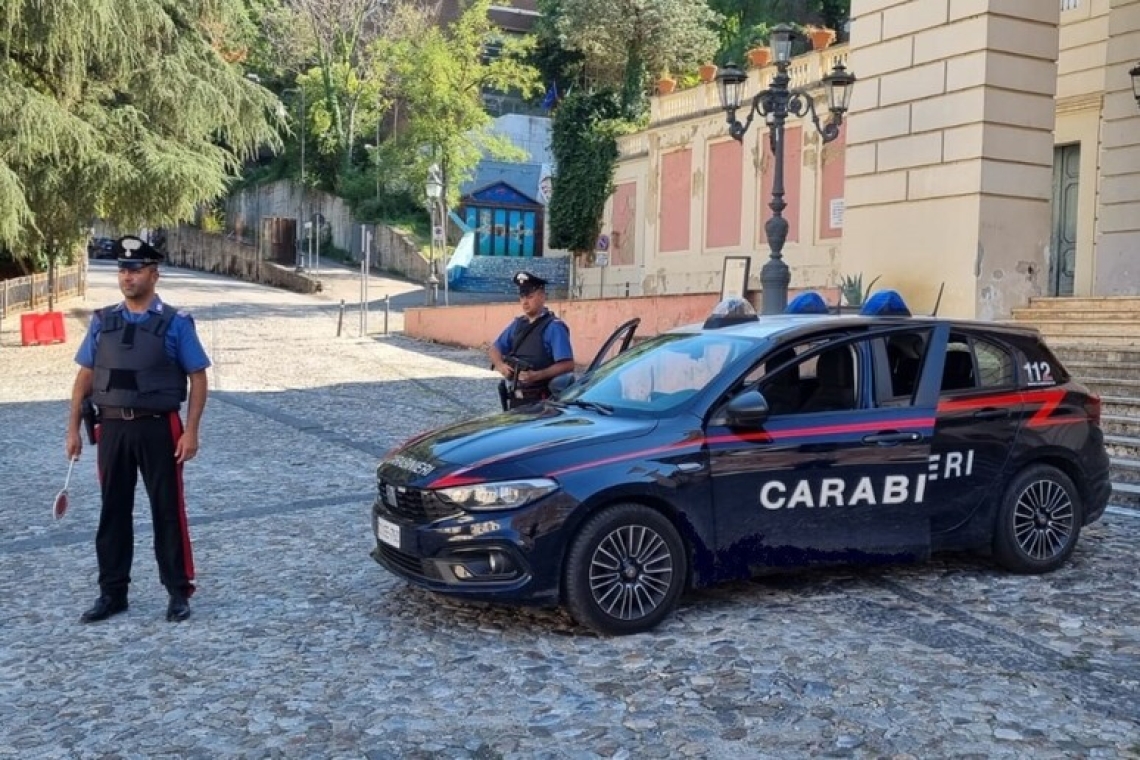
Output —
(625, 570)
(1039, 521)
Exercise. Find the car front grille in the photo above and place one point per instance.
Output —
(414, 504)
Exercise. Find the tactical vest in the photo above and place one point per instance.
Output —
(132, 368)
(529, 346)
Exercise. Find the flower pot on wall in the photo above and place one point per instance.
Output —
(821, 37)
(760, 56)
(666, 85)
(708, 72)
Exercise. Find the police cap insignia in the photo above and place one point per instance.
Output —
(528, 282)
(135, 253)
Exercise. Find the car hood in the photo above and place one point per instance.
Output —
(504, 445)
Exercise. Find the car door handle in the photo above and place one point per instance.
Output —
(991, 414)
(891, 438)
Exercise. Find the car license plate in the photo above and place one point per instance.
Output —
(388, 532)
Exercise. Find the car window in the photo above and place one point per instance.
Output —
(972, 363)
(904, 354)
(660, 373)
(825, 381)
(995, 365)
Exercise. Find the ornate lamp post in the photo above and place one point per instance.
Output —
(1135, 74)
(775, 104)
(434, 188)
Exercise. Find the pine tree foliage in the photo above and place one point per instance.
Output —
(134, 112)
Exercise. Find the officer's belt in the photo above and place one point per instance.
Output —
(128, 413)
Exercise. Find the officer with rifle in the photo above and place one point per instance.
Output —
(533, 349)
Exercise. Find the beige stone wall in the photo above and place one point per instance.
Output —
(1117, 264)
(950, 149)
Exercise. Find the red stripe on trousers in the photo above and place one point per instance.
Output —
(187, 554)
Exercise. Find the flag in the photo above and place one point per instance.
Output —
(551, 98)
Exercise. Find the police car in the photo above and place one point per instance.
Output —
(748, 445)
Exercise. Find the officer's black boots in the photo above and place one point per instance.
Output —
(105, 606)
(178, 609)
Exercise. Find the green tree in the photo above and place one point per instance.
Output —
(584, 144)
(439, 76)
(626, 42)
(134, 112)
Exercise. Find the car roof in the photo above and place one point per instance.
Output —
(784, 326)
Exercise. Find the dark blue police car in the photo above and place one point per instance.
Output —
(748, 445)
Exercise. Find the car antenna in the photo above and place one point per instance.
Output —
(938, 300)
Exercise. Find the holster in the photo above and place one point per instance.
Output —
(90, 417)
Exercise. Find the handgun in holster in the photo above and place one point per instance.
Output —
(90, 416)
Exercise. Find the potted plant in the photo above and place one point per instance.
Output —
(707, 72)
(760, 56)
(665, 83)
(851, 287)
(821, 37)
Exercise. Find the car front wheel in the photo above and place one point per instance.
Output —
(1039, 521)
(625, 570)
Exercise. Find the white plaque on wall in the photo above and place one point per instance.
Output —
(836, 213)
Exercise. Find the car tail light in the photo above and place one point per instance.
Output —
(1092, 408)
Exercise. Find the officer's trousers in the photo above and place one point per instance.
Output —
(126, 448)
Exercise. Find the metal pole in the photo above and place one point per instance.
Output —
(775, 276)
(340, 318)
(387, 311)
(317, 228)
(443, 223)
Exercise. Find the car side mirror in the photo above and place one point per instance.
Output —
(749, 409)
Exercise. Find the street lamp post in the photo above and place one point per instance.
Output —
(775, 104)
(434, 190)
(1134, 72)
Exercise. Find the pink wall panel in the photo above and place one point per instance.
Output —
(724, 194)
(834, 154)
(676, 200)
(623, 237)
(793, 169)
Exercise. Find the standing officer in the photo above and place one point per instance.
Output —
(538, 340)
(134, 363)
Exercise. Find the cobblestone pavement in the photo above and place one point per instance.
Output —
(301, 646)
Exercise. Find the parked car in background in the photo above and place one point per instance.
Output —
(101, 248)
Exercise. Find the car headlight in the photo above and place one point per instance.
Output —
(507, 494)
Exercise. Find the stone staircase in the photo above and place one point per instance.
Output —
(492, 274)
(1098, 339)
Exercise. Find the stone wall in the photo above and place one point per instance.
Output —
(194, 249)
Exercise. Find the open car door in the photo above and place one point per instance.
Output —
(618, 342)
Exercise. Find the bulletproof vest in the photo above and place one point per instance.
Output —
(132, 368)
(526, 341)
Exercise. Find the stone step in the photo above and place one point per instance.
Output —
(1125, 470)
(1122, 446)
(1090, 352)
(1033, 316)
(1121, 333)
(1092, 303)
(1083, 368)
(1119, 424)
(1125, 494)
(1119, 406)
(1112, 386)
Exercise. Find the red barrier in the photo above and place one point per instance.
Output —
(38, 329)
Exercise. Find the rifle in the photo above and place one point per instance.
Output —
(90, 417)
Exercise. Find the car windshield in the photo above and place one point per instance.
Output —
(660, 374)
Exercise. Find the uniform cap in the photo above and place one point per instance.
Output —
(135, 253)
(528, 282)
